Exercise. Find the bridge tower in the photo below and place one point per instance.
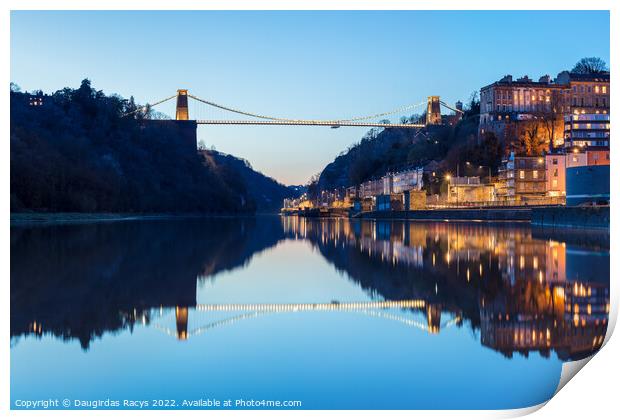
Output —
(181, 314)
(182, 105)
(433, 111)
(433, 318)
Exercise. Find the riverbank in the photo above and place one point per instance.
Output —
(451, 214)
(571, 217)
(19, 219)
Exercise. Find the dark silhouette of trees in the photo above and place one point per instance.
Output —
(590, 65)
(77, 152)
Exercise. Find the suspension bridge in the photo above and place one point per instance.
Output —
(375, 309)
(433, 114)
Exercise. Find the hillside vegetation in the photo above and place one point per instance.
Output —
(393, 149)
(77, 153)
(266, 192)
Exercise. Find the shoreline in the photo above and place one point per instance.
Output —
(597, 217)
(37, 218)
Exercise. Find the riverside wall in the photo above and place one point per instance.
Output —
(558, 216)
(596, 217)
(523, 214)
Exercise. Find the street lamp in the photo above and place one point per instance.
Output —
(448, 178)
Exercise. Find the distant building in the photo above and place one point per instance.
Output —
(589, 93)
(576, 157)
(468, 189)
(530, 177)
(570, 108)
(505, 184)
(587, 184)
(555, 166)
(508, 107)
(407, 180)
(582, 175)
(35, 100)
(597, 156)
(585, 130)
(371, 188)
(414, 200)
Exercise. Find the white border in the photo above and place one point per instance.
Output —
(592, 396)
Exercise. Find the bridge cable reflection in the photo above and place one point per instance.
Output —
(364, 308)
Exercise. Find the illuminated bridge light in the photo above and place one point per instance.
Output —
(293, 307)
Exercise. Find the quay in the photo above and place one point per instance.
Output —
(594, 217)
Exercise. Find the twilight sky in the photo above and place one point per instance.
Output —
(327, 65)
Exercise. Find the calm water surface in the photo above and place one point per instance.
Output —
(330, 312)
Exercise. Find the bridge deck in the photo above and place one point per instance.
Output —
(334, 124)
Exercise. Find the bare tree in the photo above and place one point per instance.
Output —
(552, 116)
(528, 137)
(590, 65)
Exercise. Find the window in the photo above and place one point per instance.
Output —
(555, 161)
(521, 174)
(554, 183)
(604, 89)
(555, 172)
(596, 89)
(535, 174)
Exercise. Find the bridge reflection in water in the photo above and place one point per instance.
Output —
(520, 290)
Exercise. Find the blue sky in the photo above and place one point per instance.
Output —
(297, 64)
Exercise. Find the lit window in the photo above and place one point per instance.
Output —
(521, 174)
(535, 174)
(604, 89)
(596, 89)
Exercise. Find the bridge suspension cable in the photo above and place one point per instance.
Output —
(307, 122)
(359, 121)
(450, 108)
(147, 106)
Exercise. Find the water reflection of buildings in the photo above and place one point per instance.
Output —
(523, 293)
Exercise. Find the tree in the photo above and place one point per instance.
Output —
(553, 117)
(533, 141)
(590, 65)
(313, 186)
(78, 154)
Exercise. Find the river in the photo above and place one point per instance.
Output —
(322, 313)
